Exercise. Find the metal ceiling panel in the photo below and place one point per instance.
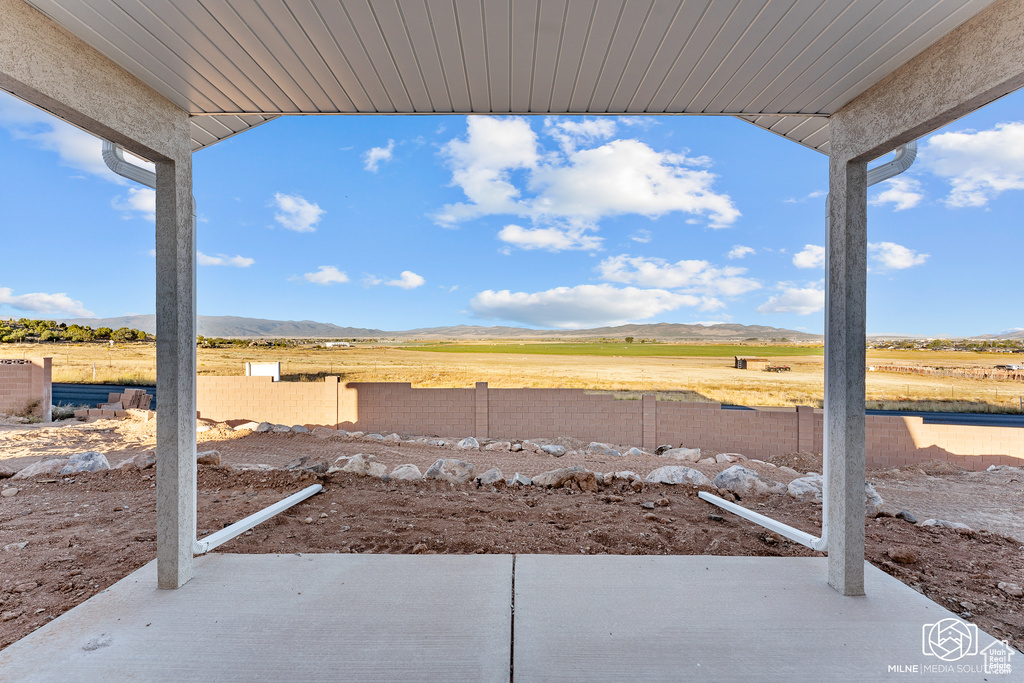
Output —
(784, 65)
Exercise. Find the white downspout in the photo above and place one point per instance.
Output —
(113, 157)
(904, 157)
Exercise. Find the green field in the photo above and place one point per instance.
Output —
(623, 349)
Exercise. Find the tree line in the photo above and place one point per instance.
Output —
(28, 330)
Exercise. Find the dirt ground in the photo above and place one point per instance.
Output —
(84, 533)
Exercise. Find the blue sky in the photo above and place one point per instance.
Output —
(400, 222)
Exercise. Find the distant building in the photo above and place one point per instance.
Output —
(744, 363)
(334, 344)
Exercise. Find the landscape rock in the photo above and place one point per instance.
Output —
(9, 615)
(450, 470)
(627, 475)
(354, 435)
(247, 427)
(6, 472)
(553, 449)
(26, 587)
(662, 448)
(469, 444)
(902, 555)
(208, 458)
(729, 457)
(498, 446)
(568, 477)
(90, 461)
(440, 443)
(144, 461)
(706, 461)
(263, 427)
(300, 429)
(307, 463)
(9, 492)
(407, 472)
(602, 449)
(492, 477)
(872, 501)
(323, 432)
(520, 480)
(677, 474)
(516, 447)
(374, 437)
(1011, 589)
(12, 547)
(945, 524)
(43, 468)
(806, 488)
(392, 438)
(280, 429)
(365, 465)
(906, 516)
(203, 428)
(635, 452)
(741, 481)
(687, 454)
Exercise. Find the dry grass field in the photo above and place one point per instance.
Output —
(691, 378)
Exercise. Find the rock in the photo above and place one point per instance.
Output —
(626, 475)
(746, 482)
(308, 520)
(300, 429)
(602, 449)
(323, 432)
(280, 429)
(144, 461)
(203, 428)
(354, 435)
(306, 463)
(9, 493)
(43, 468)
(208, 458)
(687, 454)
(468, 444)
(662, 448)
(491, 478)
(7, 616)
(90, 461)
(520, 480)
(789, 470)
(806, 489)
(11, 547)
(677, 474)
(716, 518)
(516, 447)
(374, 437)
(872, 501)
(439, 443)
(635, 452)
(706, 461)
(450, 470)
(647, 506)
(26, 587)
(906, 516)
(902, 555)
(392, 438)
(407, 473)
(420, 548)
(945, 524)
(1011, 589)
(6, 472)
(264, 427)
(567, 477)
(247, 427)
(498, 446)
(729, 457)
(365, 465)
(552, 449)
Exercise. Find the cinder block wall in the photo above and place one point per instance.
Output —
(533, 413)
(26, 381)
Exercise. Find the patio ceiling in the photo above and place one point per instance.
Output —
(784, 65)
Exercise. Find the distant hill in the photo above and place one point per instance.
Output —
(233, 326)
(1015, 333)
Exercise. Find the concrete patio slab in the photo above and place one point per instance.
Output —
(681, 618)
(286, 618)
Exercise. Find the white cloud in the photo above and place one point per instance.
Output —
(740, 251)
(44, 304)
(811, 256)
(807, 197)
(373, 157)
(979, 165)
(551, 239)
(569, 134)
(408, 280)
(140, 203)
(643, 236)
(696, 277)
(580, 306)
(904, 193)
(295, 213)
(575, 186)
(223, 260)
(795, 300)
(892, 256)
(326, 275)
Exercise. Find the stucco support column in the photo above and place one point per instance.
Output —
(845, 312)
(175, 372)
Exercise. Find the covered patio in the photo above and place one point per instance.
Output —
(853, 80)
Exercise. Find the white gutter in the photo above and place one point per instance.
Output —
(113, 157)
(904, 157)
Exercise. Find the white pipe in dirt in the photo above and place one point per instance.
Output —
(215, 539)
(901, 161)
